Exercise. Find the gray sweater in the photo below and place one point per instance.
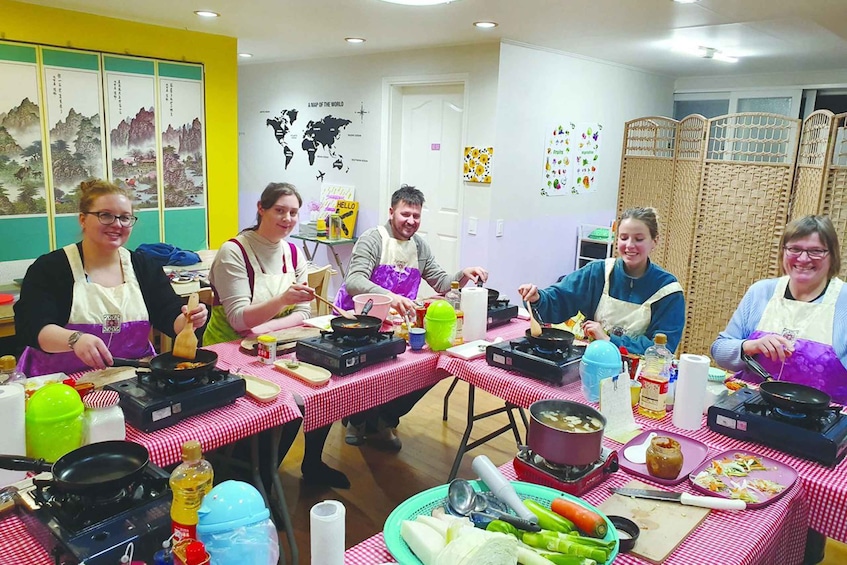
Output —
(366, 254)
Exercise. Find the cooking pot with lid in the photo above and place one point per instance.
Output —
(558, 445)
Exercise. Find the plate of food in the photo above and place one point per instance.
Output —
(424, 503)
(753, 478)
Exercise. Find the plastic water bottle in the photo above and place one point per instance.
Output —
(655, 376)
(190, 482)
(9, 371)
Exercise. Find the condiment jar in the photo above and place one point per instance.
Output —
(664, 458)
(266, 348)
(104, 419)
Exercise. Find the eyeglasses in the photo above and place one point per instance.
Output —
(108, 219)
(796, 252)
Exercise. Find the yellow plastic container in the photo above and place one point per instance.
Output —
(54, 418)
(440, 325)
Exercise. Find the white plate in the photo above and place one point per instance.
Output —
(310, 374)
(470, 350)
(260, 389)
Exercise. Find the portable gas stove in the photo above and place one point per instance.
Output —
(558, 367)
(573, 480)
(820, 436)
(151, 402)
(95, 529)
(500, 312)
(342, 355)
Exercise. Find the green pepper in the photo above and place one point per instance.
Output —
(556, 543)
(594, 542)
(503, 528)
(562, 559)
(549, 520)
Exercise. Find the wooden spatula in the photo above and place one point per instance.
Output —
(185, 344)
(344, 313)
(534, 326)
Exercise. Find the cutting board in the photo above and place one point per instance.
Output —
(285, 339)
(663, 525)
(108, 376)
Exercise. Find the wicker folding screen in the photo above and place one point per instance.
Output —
(835, 192)
(812, 160)
(742, 210)
(647, 169)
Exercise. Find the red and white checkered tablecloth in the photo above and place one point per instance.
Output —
(342, 395)
(17, 547)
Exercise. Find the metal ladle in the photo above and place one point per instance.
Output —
(464, 500)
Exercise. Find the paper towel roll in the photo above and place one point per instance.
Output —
(326, 521)
(13, 438)
(475, 306)
(690, 390)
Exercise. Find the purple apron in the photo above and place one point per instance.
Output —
(397, 270)
(116, 315)
(814, 362)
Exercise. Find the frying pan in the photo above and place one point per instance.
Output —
(165, 365)
(493, 295)
(790, 396)
(104, 466)
(362, 326)
(551, 339)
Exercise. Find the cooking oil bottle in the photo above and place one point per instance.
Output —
(190, 482)
(654, 378)
(454, 297)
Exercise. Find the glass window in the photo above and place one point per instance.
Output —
(779, 105)
(708, 108)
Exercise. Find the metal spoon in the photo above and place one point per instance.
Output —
(463, 500)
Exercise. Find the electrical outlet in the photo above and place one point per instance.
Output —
(499, 232)
(472, 225)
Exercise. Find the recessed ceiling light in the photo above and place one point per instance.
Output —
(485, 25)
(686, 1)
(207, 14)
(705, 52)
(245, 55)
(418, 2)
(354, 39)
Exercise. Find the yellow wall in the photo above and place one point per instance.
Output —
(62, 28)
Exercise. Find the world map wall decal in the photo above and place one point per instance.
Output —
(318, 136)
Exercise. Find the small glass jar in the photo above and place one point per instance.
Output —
(104, 419)
(664, 458)
(266, 349)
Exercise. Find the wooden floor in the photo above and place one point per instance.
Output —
(380, 480)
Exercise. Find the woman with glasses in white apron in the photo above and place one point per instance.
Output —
(627, 300)
(90, 301)
(260, 285)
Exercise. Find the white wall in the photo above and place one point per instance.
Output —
(537, 88)
(264, 90)
(814, 79)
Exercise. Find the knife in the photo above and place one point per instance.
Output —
(683, 498)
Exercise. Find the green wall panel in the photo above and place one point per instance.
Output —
(18, 53)
(23, 237)
(123, 65)
(186, 228)
(173, 70)
(67, 230)
(71, 59)
(146, 229)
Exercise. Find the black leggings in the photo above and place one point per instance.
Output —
(390, 412)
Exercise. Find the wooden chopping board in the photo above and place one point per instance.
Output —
(108, 376)
(663, 525)
(285, 339)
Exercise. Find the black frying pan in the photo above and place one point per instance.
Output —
(493, 295)
(166, 363)
(551, 339)
(783, 394)
(98, 467)
(362, 326)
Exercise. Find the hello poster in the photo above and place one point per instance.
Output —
(571, 157)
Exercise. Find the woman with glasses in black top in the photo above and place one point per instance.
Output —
(88, 302)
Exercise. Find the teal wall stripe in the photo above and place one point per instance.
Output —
(135, 66)
(18, 53)
(67, 230)
(146, 229)
(23, 237)
(186, 228)
(71, 59)
(171, 70)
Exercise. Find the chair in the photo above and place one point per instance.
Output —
(318, 278)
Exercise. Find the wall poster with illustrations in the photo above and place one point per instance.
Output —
(23, 201)
(181, 116)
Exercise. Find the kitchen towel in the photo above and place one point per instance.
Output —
(13, 438)
(474, 304)
(326, 521)
(690, 390)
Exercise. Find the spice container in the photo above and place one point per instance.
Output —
(334, 227)
(266, 348)
(664, 458)
(104, 419)
(320, 229)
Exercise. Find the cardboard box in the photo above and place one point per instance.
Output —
(349, 211)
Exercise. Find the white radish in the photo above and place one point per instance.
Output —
(424, 541)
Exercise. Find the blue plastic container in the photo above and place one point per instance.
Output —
(601, 360)
(235, 526)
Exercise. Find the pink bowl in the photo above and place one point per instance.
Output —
(380, 309)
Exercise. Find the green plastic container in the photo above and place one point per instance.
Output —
(440, 325)
(53, 422)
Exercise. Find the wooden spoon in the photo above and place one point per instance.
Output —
(185, 344)
(534, 326)
(344, 313)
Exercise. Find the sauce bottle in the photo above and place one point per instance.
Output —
(190, 482)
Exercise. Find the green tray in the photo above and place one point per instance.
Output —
(424, 503)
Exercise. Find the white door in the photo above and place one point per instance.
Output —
(431, 160)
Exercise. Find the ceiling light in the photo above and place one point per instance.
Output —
(686, 1)
(718, 56)
(705, 52)
(354, 39)
(485, 25)
(419, 2)
(245, 55)
(207, 14)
